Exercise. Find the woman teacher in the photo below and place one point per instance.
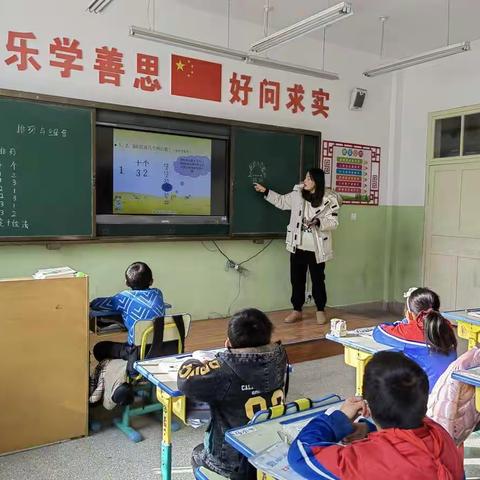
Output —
(314, 214)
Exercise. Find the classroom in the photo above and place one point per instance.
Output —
(187, 184)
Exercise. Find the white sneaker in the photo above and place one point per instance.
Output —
(321, 318)
(294, 317)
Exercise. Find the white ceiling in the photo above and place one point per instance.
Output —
(413, 25)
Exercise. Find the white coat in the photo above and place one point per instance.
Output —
(326, 212)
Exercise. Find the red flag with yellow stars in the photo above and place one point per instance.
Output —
(196, 78)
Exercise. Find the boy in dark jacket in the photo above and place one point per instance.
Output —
(249, 376)
(407, 445)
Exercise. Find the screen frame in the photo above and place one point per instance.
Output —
(170, 219)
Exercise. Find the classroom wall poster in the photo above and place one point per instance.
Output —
(353, 171)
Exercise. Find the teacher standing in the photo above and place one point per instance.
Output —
(314, 214)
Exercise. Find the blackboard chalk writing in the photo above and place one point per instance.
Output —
(41, 130)
(13, 182)
(257, 172)
(10, 151)
(41, 145)
(17, 224)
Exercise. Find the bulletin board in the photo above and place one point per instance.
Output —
(353, 171)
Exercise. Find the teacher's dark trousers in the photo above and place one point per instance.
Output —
(300, 261)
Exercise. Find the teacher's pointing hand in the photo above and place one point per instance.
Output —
(259, 188)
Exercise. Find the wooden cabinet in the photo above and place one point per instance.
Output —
(44, 361)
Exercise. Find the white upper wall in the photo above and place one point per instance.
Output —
(51, 18)
(444, 84)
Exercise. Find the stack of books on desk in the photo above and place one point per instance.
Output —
(57, 272)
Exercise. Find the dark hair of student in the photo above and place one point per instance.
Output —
(439, 335)
(318, 176)
(396, 390)
(249, 328)
(138, 276)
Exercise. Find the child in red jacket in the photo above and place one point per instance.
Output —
(406, 446)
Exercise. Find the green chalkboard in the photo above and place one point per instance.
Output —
(311, 145)
(272, 158)
(45, 170)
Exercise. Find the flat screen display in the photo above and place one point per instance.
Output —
(161, 174)
(145, 176)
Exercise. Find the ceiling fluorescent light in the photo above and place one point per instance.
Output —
(227, 52)
(98, 6)
(307, 25)
(418, 59)
(186, 43)
(289, 67)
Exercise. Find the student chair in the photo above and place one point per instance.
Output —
(154, 338)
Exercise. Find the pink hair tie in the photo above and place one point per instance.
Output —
(423, 313)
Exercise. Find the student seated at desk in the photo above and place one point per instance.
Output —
(406, 445)
(139, 303)
(451, 403)
(249, 376)
(424, 335)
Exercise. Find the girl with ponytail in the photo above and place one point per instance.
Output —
(424, 335)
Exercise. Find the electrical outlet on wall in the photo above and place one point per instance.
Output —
(353, 216)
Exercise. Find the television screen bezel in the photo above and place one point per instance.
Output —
(169, 219)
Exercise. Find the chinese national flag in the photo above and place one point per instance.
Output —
(196, 78)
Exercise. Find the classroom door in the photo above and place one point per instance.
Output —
(452, 233)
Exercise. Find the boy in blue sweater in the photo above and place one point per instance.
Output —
(139, 303)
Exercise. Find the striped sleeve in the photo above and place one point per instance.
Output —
(399, 335)
(105, 303)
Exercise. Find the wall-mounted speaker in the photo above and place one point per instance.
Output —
(357, 98)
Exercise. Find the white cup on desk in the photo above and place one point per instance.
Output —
(338, 327)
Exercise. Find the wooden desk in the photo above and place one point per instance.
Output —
(358, 351)
(44, 357)
(468, 327)
(470, 377)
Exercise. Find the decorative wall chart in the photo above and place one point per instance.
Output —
(353, 171)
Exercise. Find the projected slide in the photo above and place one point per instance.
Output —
(159, 174)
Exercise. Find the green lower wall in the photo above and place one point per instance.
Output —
(407, 250)
(194, 279)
